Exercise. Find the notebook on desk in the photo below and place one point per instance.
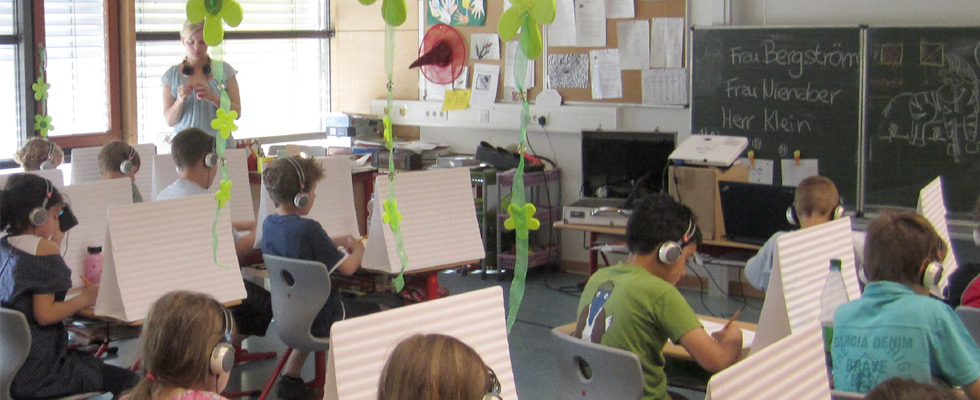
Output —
(754, 212)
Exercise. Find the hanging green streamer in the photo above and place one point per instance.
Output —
(391, 215)
(42, 121)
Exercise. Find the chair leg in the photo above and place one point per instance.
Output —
(243, 356)
(275, 373)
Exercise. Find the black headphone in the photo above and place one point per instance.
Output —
(493, 391)
(47, 163)
(127, 165)
(223, 353)
(39, 215)
(794, 219)
(670, 251)
(301, 199)
(188, 70)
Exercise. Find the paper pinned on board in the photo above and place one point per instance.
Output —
(590, 23)
(667, 43)
(607, 78)
(794, 174)
(484, 91)
(762, 172)
(562, 32)
(634, 44)
(620, 9)
(664, 86)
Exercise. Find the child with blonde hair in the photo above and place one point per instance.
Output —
(39, 153)
(117, 159)
(434, 367)
(186, 353)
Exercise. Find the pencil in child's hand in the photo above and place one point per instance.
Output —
(86, 281)
(733, 318)
(363, 238)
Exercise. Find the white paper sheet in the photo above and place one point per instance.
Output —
(712, 327)
(664, 86)
(439, 225)
(484, 46)
(509, 77)
(607, 78)
(568, 71)
(562, 30)
(435, 91)
(360, 346)
(761, 172)
(89, 202)
(794, 174)
(590, 23)
(484, 92)
(634, 44)
(667, 50)
(620, 9)
(157, 247)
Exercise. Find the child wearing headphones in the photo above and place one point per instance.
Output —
(34, 280)
(186, 350)
(39, 153)
(895, 328)
(197, 165)
(117, 159)
(634, 305)
(292, 183)
(816, 201)
(964, 287)
(433, 367)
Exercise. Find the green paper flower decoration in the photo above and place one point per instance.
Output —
(213, 12)
(391, 215)
(392, 11)
(388, 134)
(41, 89)
(43, 124)
(224, 122)
(522, 217)
(224, 193)
(526, 15)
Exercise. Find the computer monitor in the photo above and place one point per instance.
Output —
(753, 212)
(616, 163)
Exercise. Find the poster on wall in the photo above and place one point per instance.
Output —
(456, 12)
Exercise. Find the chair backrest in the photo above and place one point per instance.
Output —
(610, 374)
(971, 320)
(15, 344)
(300, 288)
(842, 395)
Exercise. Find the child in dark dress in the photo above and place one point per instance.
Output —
(34, 280)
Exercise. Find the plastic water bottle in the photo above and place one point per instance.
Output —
(93, 264)
(833, 295)
(370, 211)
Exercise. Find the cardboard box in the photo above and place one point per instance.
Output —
(697, 188)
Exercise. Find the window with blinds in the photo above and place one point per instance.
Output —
(9, 104)
(75, 33)
(280, 50)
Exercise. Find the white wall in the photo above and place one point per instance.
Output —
(714, 12)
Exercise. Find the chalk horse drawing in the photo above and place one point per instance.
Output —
(947, 114)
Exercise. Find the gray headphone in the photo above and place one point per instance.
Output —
(39, 215)
(793, 219)
(127, 165)
(223, 353)
(301, 198)
(211, 159)
(670, 251)
(47, 164)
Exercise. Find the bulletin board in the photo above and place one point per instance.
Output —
(631, 79)
(632, 84)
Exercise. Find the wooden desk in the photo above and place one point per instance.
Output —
(676, 351)
(713, 247)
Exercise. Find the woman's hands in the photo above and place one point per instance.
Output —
(198, 91)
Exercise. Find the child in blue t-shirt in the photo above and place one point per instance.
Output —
(895, 329)
(292, 185)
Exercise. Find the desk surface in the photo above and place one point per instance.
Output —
(619, 230)
(677, 351)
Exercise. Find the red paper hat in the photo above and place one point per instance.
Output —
(441, 55)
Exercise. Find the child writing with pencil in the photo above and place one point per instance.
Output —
(117, 159)
(186, 351)
(292, 183)
(895, 329)
(35, 280)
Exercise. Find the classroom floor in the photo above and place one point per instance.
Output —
(550, 300)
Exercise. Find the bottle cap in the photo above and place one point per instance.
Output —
(835, 264)
(94, 249)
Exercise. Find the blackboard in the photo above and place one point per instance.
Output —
(786, 89)
(922, 111)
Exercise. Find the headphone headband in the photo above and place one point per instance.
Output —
(223, 353)
(48, 163)
(301, 198)
(39, 215)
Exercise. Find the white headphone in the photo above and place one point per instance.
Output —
(47, 164)
(670, 251)
(39, 215)
(223, 353)
(127, 165)
(301, 198)
(211, 159)
(793, 219)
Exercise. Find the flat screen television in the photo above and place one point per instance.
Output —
(616, 163)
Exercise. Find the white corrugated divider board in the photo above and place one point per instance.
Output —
(792, 369)
(85, 167)
(333, 207)
(439, 225)
(157, 247)
(56, 176)
(165, 173)
(799, 272)
(932, 206)
(89, 202)
(360, 346)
